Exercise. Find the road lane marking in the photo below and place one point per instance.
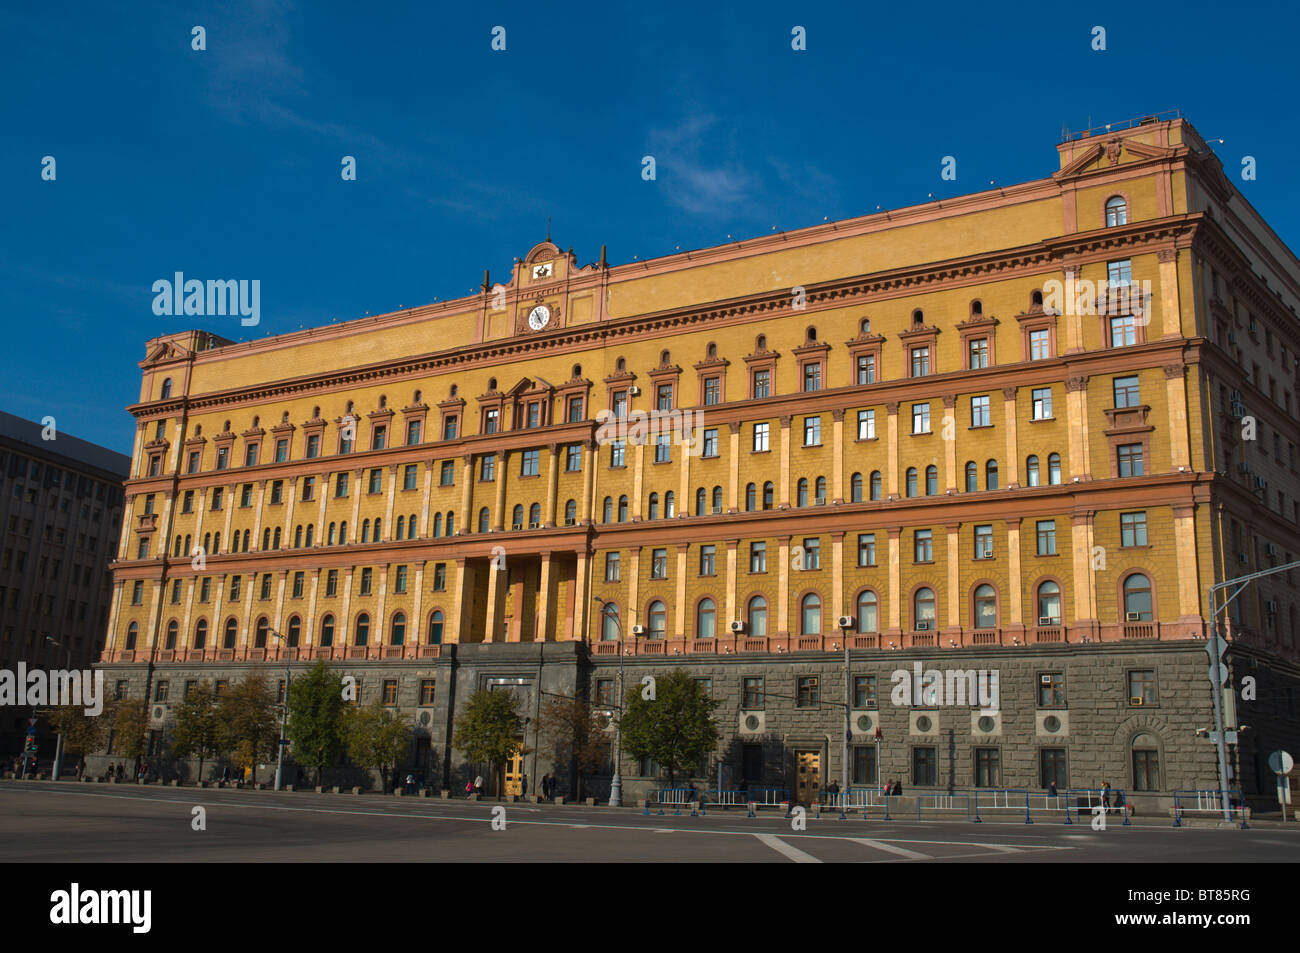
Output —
(891, 848)
(781, 847)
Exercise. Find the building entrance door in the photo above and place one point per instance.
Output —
(514, 771)
(808, 776)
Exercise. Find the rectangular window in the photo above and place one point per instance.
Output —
(246, 495)
(205, 589)
(616, 452)
(812, 431)
(752, 694)
(491, 419)
(866, 549)
(1142, 687)
(866, 369)
(1052, 768)
(1040, 345)
(712, 391)
(340, 485)
(1129, 458)
(979, 412)
(529, 462)
(760, 437)
(223, 457)
(575, 410)
(250, 455)
(1128, 393)
(708, 560)
(376, 481)
(332, 583)
(866, 425)
(216, 497)
(409, 474)
(604, 692)
(426, 692)
(864, 691)
(277, 492)
(1119, 274)
(664, 397)
(984, 541)
(812, 553)
(308, 489)
(923, 546)
(187, 502)
(313, 446)
(808, 695)
(920, 418)
(659, 564)
(613, 566)
(193, 466)
(390, 691)
(758, 557)
(925, 767)
(282, 450)
(711, 442)
(533, 417)
(864, 765)
(1123, 331)
(979, 353)
(234, 588)
(812, 377)
(620, 403)
(573, 458)
(367, 575)
(447, 473)
(450, 427)
(487, 469)
(1133, 529)
(920, 362)
(1047, 537)
(137, 593)
(762, 384)
(412, 432)
(1042, 403)
(988, 767)
(663, 448)
(399, 582)
(1051, 690)
(378, 437)
(299, 580)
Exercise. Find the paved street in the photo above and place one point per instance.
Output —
(48, 822)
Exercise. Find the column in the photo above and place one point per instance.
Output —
(733, 473)
(837, 573)
(680, 620)
(588, 480)
(388, 506)
(229, 502)
(380, 627)
(837, 474)
(343, 625)
(950, 445)
(638, 479)
(684, 478)
(201, 502)
(309, 626)
(1073, 319)
(499, 517)
(110, 645)
(1170, 305)
(1176, 387)
(783, 501)
(633, 590)
(731, 615)
(257, 513)
(278, 618)
(783, 587)
(1013, 449)
(417, 608)
(552, 485)
(186, 635)
(128, 518)
(1013, 612)
(895, 594)
(578, 610)
(493, 602)
(544, 602)
(1085, 598)
(429, 466)
(455, 628)
(1189, 590)
(891, 466)
(354, 522)
(289, 507)
(1076, 422)
(954, 581)
(467, 524)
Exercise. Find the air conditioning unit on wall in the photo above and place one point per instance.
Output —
(845, 622)
(737, 627)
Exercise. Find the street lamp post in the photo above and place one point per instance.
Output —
(616, 783)
(58, 747)
(848, 718)
(284, 717)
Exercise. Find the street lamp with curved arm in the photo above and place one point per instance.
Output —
(616, 783)
(284, 716)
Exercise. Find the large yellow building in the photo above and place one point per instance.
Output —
(1016, 423)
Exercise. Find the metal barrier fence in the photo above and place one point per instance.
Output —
(1090, 800)
(674, 797)
(1209, 802)
(942, 802)
(724, 799)
(1000, 799)
(855, 798)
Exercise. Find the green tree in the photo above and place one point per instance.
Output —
(488, 729)
(81, 733)
(576, 734)
(198, 731)
(675, 728)
(316, 717)
(377, 739)
(250, 724)
(129, 718)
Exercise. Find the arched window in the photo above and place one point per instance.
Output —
(1031, 470)
(986, 608)
(297, 537)
(1146, 763)
(701, 501)
(483, 517)
(976, 307)
(756, 623)
(451, 523)
(717, 499)
(1137, 598)
(327, 631)
(609, 622)
(332, 536)
(365, 531)
(166, 388)
(1054, 468)
(397, 633)
(437, 525)
(361, 632)
(517, 517)
(401, 528)
(173, 630)
(266, 539)
(991, 475)
(201, 634)
(802, 492)
(855, 485)
(931, 480)
(923, 613)
(570, 512)
(706, 618)
(819, 493)
(670, 505)
(654, 507)
(767, 495)
(1116, 211)
(876, 491)
(751, 498)
(535, 516)
(622, 509)
(311, 535)
(868, 612)
(343, 533)
(261, 632)
(410, 526)
(295, 631)
(435, 627)
(810, 615)
(1049, 603)
(276, 543)
(607, 510)
(972, 476)
(658, 616)
(232, 633)
(911, 481)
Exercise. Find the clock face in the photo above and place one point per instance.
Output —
(539, 317)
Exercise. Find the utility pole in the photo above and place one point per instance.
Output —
(616, 783)
(58, 747)
(284, 717)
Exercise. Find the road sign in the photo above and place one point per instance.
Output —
(284, 741)
(1280, 762)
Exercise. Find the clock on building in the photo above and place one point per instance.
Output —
(539, 317)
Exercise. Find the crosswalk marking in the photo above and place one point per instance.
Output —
(781, 847)
(891, 848)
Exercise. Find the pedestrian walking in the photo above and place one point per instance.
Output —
(1051, 789)
(469, 788)
(478, 784)
(523, 785)
(1105, 795)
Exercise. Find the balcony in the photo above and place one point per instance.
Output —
(1138, 631)
(1049, 633)
(986, 637)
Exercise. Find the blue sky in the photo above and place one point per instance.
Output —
(225, 163)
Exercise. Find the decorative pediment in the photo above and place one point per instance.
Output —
(1107, 152)
(167, 352)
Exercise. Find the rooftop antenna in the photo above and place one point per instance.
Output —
(548, 228)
